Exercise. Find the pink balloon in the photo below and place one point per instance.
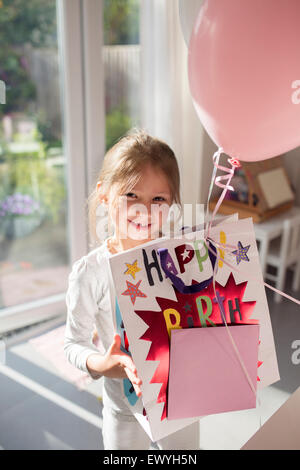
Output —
(244, 72)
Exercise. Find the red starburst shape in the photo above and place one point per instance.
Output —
(200, 309)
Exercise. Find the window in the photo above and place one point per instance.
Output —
(33, 242)
(121, 57)
(53, 136)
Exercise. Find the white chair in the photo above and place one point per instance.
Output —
(284, 253)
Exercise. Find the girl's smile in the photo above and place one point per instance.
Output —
(140, 226)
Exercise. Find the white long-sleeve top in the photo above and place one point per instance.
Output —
(90, 301)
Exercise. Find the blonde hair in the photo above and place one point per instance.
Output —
(122, 167)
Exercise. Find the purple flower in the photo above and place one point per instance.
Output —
(24, 62)
(18, 204)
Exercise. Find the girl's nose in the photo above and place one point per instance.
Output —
(141, 211)
(149, 206)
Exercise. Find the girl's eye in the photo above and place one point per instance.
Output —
(160, 197)
(130, 194)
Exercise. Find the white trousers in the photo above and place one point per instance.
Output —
(124, 432)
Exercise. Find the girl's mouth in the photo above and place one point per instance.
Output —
(140, 226)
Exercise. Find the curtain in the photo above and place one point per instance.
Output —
(167, 110)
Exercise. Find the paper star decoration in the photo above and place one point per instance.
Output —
(187, 307)
(133, 291)
(241, 253)
(132, 269)
(186, 254)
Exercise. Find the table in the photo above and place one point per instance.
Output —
(269, 230)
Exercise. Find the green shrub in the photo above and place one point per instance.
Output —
(117, 124)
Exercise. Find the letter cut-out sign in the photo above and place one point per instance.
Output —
(176, 284)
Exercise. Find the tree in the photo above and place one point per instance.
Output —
(23, 22)
(28, 21)
(121, 22)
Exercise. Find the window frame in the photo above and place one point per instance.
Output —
(80, 34)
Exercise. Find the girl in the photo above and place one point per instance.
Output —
(139, 177)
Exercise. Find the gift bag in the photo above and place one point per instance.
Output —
(206, 375)
(172, 284)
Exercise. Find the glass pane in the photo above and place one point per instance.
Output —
(121, 56)
(33, 239)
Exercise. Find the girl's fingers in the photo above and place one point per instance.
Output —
(126, 361)
(133, 377)
(137, 390)
(116, 341)
(133, 381)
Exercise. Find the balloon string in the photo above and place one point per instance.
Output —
(216, 158)
(238, 355)
(217, 181)
(228, 330)
(282, 293)
(226, 247)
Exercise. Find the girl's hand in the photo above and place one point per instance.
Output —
(120, 363)
(115, 364)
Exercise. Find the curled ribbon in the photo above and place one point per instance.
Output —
(217, 180)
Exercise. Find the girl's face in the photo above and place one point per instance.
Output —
(140, 213)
